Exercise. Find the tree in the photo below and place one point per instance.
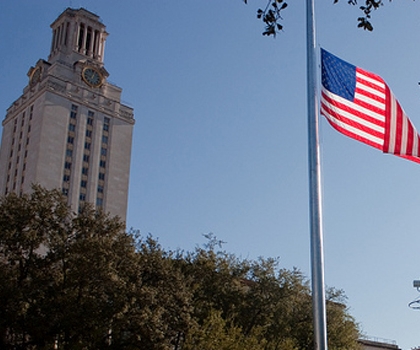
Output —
(271, 14)
(159, 313)
(64, 276)
(257, 302)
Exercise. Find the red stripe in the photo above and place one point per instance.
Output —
(361, 79)
(398, 131)
(370, 75)
(387, 120)
(418, 145)
(368, 95)
(367, 105)
(414, 159)
(410, 138)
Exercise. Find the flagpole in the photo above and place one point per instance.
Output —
(315, 202)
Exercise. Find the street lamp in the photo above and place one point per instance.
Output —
(415, 304)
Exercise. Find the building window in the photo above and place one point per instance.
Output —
(102, 176)
(102, 163)
(69, 152)
(82, 196)
(65, 191)
(86, 158)
(104, 151)
(99, 202)
(66, 178)
(88, 133)
(72, 127)
(70, 139)
(83, 183)
(73, 114)
(84, 171)
(87, 145)
(81, 36)
(100, 189)
(104, 139)
(67, 165)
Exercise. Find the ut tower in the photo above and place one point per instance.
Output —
(69, 129)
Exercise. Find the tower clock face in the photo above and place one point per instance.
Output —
(92, 77)
(35, 76)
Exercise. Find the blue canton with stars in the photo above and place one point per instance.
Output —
(338, 76)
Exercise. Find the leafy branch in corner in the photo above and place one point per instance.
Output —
(367, 8)
(271, 16)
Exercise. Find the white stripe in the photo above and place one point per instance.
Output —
(353, 117)
(393, 125)
(377, 82)
(370, 101)
(352, 129)
(350, 104)
(379, 93)
(415, 145)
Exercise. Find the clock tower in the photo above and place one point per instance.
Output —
(69, 129)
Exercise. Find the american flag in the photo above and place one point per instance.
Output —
(360, 104)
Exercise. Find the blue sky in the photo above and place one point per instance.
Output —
(220, 141)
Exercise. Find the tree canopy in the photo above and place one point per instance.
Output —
(80, 281)
(271, 14)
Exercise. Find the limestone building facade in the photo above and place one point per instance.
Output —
(69, 129)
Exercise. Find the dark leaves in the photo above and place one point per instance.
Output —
(271, 14)
(367, 8)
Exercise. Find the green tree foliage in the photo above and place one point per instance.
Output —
(271, 14)
(79, 281)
